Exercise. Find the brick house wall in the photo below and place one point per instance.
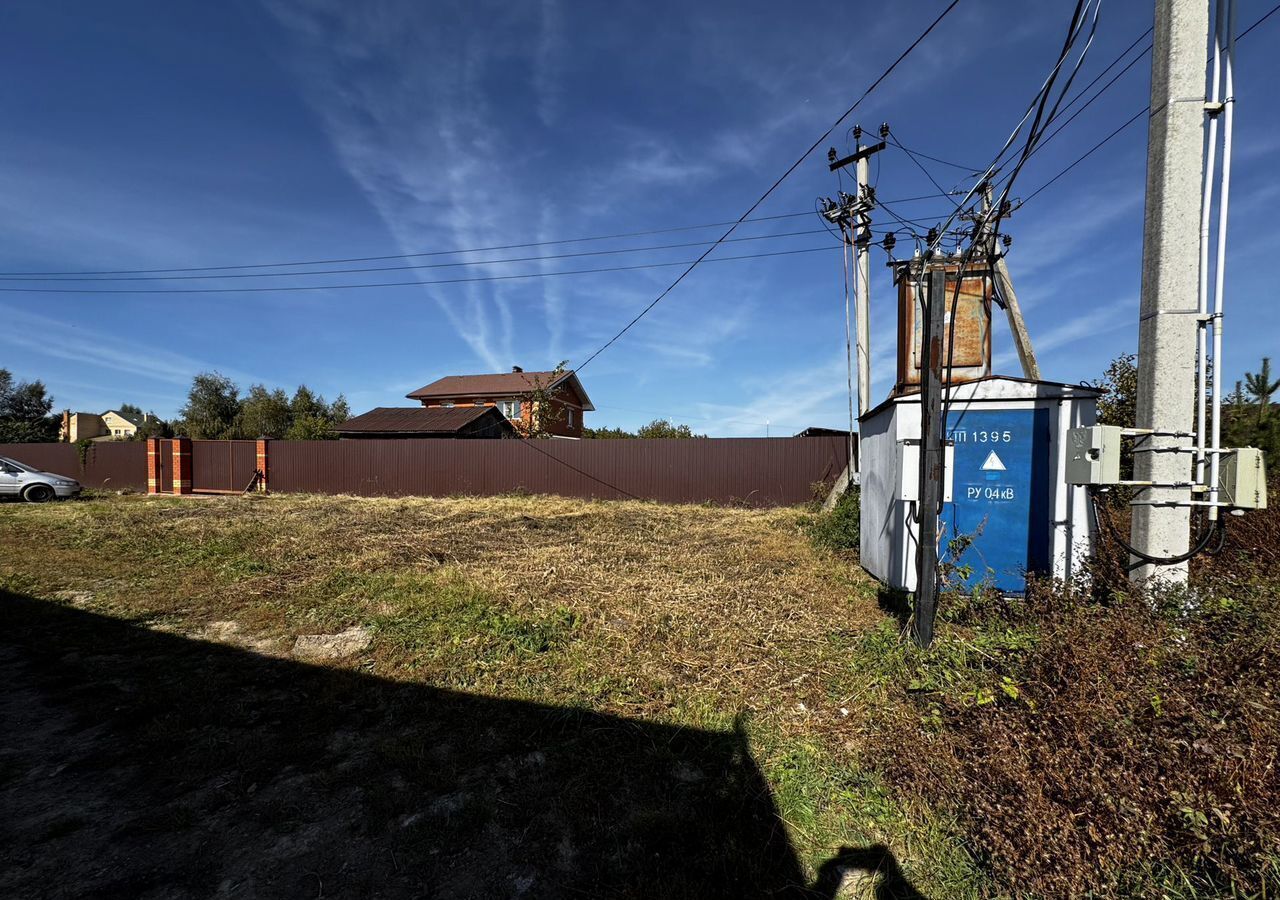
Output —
(559, 422)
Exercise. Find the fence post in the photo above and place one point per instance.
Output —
(262, 464)
(153, 465)
(181, 465)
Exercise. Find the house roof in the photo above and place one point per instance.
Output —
(500, 384)
(135, 421)
(420, 420)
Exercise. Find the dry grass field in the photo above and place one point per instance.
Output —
(530, 696)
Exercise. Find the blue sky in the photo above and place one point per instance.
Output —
(176, 134)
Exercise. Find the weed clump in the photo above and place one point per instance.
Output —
(1103, 742)
(837, 528)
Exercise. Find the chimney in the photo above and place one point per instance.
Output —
(516, 369)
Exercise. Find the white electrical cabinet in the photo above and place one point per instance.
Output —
(1242, 478)
(1093, 454)
(1006, 485)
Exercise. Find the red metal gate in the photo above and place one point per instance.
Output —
(222, 467)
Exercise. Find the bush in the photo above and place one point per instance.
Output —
(1114, 748)
(837, 528)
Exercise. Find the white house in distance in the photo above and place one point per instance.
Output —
(111, 425)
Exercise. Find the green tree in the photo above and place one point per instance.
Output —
(606, 433)
(1237, 397)
(662, 428)
(1119, 405)
(544, 408)
(265, 413)
(311, 428)
(152, 426)
(307, 402)
(339, 410)
(1261, 387)
(130, 411)
(213, 408)
(25, 411)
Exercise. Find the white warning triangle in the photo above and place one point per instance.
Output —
(993, 463)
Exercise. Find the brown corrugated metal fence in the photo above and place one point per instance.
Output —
(752, 471)
(108, 464)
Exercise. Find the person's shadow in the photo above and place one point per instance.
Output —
(877, 862)
(138, 763)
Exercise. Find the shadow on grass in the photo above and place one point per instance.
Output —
(896, 603)
(136, 763)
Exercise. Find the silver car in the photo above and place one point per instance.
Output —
(21, 480)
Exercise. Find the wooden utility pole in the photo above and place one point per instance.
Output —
(932, 452)
(1004, 290)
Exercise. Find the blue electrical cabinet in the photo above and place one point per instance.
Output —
(1000, 495)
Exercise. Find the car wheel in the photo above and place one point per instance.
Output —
(38, 493)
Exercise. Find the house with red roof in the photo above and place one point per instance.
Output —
(550, 402)
(503, 404)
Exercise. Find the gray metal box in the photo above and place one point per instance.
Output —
(1093, 455)
(1242, 478)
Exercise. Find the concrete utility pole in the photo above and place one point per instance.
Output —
(858, 215)
(1167, 329)
(853, 215)
(862, 281)
(932, 453)
(1008, 299)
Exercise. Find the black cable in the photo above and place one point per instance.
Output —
(384, 284)
(1199, 547)
(1261, 19)
(354, 259)
(531, 443)
(1095, 148)
(795, 165)
(448, 265)
(1072, 118)
(919, 165)
(980, 227)
(970, 169)
(1123, 53)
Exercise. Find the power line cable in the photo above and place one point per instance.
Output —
(795, 165)
(919, 165)
(1146, 109)
(356, 259)
(1074, 100)
(386, 284)
(448, 265)
(972, 170)
(1095, 148)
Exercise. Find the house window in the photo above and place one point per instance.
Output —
(117, 432)
(511, 409)
(569, 413)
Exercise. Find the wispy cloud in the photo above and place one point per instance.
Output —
(405, 103)
(549, 63)
(98, 349)
(1090, 324)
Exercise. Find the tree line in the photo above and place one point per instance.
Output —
(658, 428)
(214, 409)
(1248, 416)
(26, 412)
